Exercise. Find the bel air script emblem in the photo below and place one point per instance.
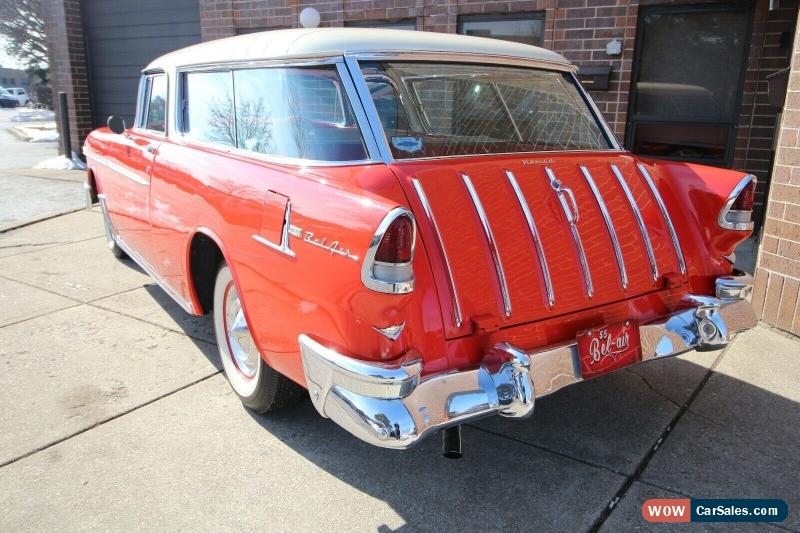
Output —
(332, 247)
(608, 348)
(604, 345)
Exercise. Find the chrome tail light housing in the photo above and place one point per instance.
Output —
(387, 264)
(737, 213)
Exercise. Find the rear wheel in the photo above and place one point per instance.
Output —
(259, 387)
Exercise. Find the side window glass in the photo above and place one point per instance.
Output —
(208, 101)
(157, 104)
(296, 112)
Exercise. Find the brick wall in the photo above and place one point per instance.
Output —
(68, 72)
(777, 288)
(579, 29)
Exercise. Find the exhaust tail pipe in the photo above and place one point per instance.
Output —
(451, 442)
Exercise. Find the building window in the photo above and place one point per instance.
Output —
(687, 82)
(401, 24)
(525, 28)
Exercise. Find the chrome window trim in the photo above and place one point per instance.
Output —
(282, 247)
(651, 256)
(116, 167)
(736, 226)
(426, 206)
(460, 57)
(537, 241)
(372, 122)
(367, 275)
(572, 220)
(598, 116)
(665, 214)
(490, 240)
(612, 232)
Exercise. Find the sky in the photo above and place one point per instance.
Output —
(6, 60)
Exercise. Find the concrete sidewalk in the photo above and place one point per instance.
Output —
(28, 195)
(115, 416)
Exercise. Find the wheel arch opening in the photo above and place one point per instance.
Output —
(205, 257)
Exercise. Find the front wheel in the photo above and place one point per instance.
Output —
(259, 387)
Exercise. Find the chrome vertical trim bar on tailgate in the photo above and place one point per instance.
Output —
(440, 244)
(660, 201)
(572, 219)
(487, 230)
(612, 232)
(537, 241)
(651, 256)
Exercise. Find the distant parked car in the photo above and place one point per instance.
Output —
(7, 99)
(21, 95)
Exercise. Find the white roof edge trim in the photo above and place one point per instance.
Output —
(298, 44)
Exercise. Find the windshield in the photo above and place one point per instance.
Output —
(442, 109)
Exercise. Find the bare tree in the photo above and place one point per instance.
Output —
(22, 25)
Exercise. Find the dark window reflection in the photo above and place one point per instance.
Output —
(687, 93)
(526, 28)
(156, 109)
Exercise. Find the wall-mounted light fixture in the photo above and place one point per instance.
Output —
(309, 18)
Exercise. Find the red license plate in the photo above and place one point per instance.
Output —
(608, 348)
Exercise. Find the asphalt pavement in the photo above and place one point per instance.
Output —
(116, 416)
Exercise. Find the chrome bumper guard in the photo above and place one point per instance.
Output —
(395, 407)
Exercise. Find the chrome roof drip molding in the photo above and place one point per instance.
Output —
(572, 214)
(664, 213)
(612, 232)
(648, 244)
(537, 241)
(487, 230)
(426, 206)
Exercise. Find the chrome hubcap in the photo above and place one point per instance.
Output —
(243, 350)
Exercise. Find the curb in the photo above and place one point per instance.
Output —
(18, 133)
(17, 225)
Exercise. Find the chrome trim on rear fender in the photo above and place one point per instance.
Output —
(394, 406)
(537, 241)
(368, 274)
(721, 219)
(440, 245)
(487, 231)
(572, 220)
(282, 247)
(612, 232)
(648, 244)
(664, 213)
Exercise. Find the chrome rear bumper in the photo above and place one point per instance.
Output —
(394, 407)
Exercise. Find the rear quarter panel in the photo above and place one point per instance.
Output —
(198, 189)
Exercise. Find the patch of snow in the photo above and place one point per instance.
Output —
(62, 163)
(42, 135)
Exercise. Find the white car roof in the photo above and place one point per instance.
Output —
(326, 42)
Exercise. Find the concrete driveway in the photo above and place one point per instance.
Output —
(115, 416)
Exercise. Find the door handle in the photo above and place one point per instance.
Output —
(151, 148)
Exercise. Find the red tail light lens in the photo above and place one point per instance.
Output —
(744, 202)
(397, 243)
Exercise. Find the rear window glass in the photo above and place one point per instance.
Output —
(437, 109)
(292, 112)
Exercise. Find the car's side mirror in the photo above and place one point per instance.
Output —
(116, 124)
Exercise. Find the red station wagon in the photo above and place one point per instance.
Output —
(420, 229)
